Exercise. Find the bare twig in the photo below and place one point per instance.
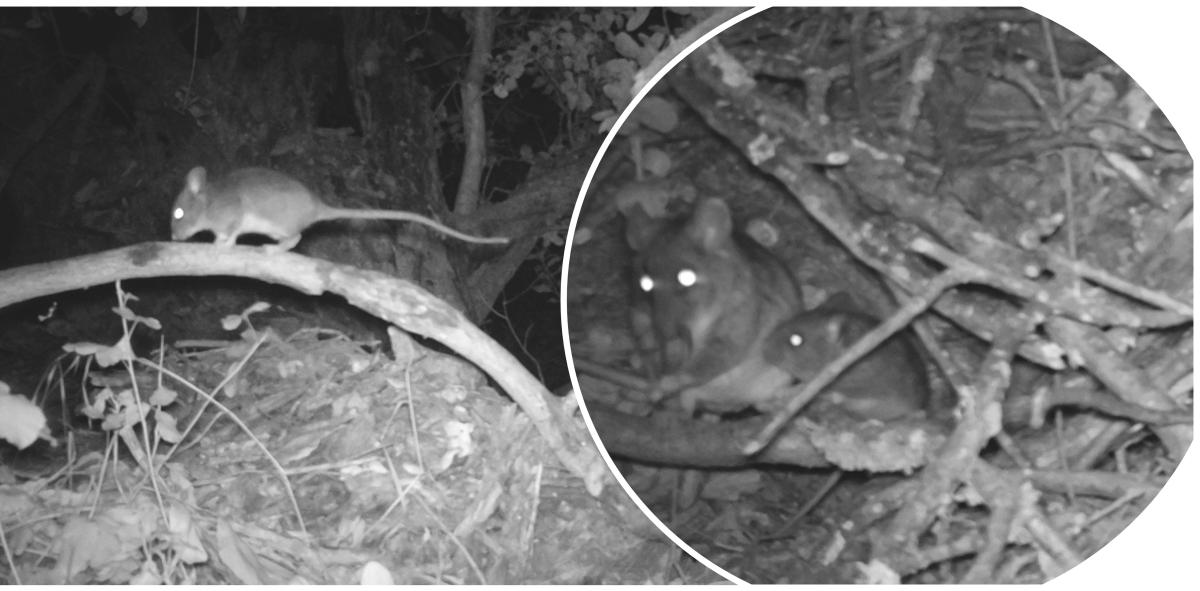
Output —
(958, 456)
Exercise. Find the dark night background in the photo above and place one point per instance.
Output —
(106, 110)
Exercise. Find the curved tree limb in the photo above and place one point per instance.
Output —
(395, 300)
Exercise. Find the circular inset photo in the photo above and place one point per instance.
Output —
(889, 295)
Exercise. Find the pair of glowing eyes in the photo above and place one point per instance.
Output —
(685, 278)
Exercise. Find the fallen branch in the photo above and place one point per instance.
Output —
(392, 299)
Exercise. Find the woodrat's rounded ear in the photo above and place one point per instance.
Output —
(711, 224)
(196, 179)
(834, 328)
(640, 228)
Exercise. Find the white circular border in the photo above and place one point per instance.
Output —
(1156, 43)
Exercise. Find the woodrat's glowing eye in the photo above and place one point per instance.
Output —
(795, 340)
(646, 283)
(686, 277)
